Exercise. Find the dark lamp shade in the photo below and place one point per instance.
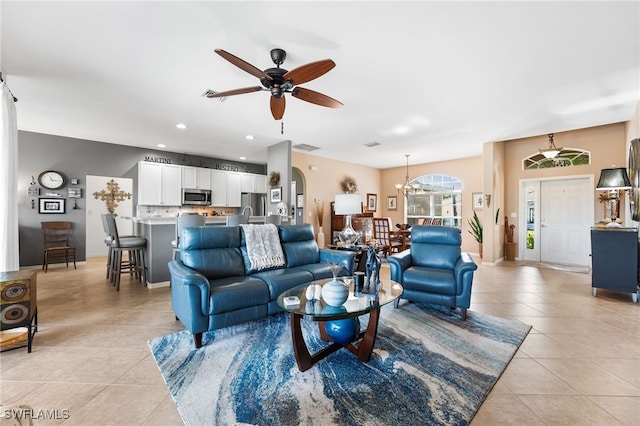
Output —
(615, 178)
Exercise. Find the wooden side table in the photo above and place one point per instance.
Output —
(18, 309)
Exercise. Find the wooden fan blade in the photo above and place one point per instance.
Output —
(309, 71)
(277, 107)
(315, 97)
(242, 64)
(234, 92)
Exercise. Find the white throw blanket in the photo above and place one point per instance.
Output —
(263, 246)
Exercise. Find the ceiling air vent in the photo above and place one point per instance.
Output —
(305, 147)
(372, 144)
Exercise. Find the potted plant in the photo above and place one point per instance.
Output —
(476, 230)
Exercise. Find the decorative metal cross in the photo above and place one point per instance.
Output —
(112, 196)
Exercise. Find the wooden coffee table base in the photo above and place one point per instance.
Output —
(363, 351)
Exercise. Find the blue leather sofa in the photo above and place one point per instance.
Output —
(213, 286)
(434, 270)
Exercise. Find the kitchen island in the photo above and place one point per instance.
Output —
(159, 232)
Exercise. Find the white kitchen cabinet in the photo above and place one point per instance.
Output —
(218, 188)
(253, 183)
(159, 184)
(225, 189)
(247, 182)
(196, 177)
(234, 193)
(261, 184)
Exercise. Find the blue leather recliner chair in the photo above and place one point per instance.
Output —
(434, 269)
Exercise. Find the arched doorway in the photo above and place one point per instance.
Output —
(297, 196)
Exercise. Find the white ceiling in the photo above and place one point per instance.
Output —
(432, 79)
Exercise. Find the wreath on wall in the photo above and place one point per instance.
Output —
(349, 185)
(274, 179)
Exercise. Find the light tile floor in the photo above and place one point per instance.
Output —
(580, 365)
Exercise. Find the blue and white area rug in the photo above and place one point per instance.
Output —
(428, 367)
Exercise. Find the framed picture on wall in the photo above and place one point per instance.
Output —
(392, 202)
(300, 201)
(51, 205)
(477, 200)
(372, 202)
(276, 195)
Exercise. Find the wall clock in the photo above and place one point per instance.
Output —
(634, 177)
(51, 179)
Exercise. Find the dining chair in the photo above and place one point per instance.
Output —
(56, 239)
(382, 234)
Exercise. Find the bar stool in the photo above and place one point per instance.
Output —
(276, 219)
(134, 246)
(237, 219)
(185, 221)
(108, 239)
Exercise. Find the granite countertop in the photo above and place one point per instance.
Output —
(209, 220)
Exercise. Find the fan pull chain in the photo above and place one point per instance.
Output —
(282, 127)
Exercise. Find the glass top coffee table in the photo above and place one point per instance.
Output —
(318, 310)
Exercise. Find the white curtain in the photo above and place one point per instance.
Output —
(9, 255)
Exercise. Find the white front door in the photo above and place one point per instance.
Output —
(566, 217)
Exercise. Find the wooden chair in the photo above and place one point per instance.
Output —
(382, 234)
(56, 243)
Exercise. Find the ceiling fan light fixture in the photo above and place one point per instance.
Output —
(279, 81)
(552, 151)
(276, 91)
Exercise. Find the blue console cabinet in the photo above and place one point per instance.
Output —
(614, 262)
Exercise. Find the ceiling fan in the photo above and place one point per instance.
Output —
(279, 81)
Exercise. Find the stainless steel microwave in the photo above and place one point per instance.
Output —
(196, 197)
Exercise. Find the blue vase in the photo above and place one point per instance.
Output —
(335, 293)
(341, 331)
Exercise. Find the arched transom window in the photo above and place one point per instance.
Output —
(567, 157)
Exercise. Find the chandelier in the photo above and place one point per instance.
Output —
(552, 151)
(407, 189)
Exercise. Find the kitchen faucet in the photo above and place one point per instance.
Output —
(250, 210)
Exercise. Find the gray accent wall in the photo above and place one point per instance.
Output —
(279, 160)
(77, 158)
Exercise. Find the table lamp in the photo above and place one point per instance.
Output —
(347, 205)
(613, 179)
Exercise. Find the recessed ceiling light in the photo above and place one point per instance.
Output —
(249, 137)
(181, 126)
(243, 158)
(161, 145)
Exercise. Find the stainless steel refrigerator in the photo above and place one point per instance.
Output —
(257, 202)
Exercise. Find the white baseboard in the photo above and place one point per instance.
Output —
(158, 284)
